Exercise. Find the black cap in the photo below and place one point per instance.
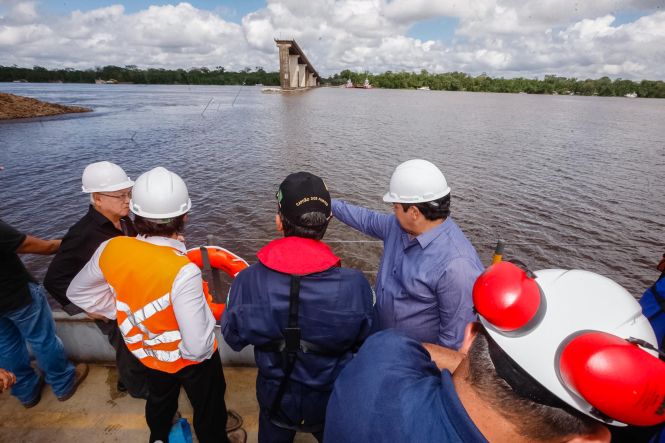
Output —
(301, 193)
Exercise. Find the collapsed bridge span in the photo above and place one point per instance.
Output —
(295, 71)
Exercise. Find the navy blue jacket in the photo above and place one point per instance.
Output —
(652, 308)
(393, 392)
(336, 306)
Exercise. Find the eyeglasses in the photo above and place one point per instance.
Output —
(126, 196)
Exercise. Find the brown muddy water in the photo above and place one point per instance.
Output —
(570, 182)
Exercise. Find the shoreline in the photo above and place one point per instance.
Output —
(19, 107)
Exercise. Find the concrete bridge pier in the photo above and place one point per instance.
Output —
(295, 71)
(302, 75)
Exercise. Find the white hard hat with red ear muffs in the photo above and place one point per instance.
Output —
(579, 335)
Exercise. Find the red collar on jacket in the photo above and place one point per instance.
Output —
(297, 255)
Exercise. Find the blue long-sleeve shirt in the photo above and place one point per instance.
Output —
(424, 284)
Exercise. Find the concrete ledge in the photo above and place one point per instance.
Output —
(84, 341)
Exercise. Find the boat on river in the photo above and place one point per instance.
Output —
(364, 85)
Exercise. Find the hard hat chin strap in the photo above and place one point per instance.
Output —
(519, 380)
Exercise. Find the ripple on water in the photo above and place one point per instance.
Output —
(566, 181)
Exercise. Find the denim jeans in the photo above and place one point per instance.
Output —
(34, 324)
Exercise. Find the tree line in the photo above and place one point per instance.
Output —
(450, 81)
(459, 81)
(132, 74)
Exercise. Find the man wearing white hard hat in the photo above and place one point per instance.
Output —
(110, 190)
(556, 356)
(149, 286)
(428, 267)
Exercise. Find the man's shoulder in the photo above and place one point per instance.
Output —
(453, 233)
(252, 270)
(253, 274)
(350, 273)
(83, 228)
(392, 346)
(455, 243)
(354, 280)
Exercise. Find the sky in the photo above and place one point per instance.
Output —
(501, 38)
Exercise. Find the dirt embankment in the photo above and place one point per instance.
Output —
(15, 106)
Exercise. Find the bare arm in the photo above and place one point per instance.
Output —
(35, 245)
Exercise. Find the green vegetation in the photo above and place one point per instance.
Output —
(450, 81)
(131, 74)
(458, 81)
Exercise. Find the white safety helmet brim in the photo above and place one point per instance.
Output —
(119, 187)
(575, 301)
(416, 181)
(136, 209)
(104, 176)
(391, 197)
(160, 194)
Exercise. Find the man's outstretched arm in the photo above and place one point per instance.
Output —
(362, 219)
(35, 245)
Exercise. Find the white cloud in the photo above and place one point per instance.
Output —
(410, 11)
(23, 12)
(501, 37)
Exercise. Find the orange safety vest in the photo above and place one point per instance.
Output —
(141, 276)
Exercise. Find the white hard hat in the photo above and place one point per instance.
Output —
(104, 177)
(416, 181)
(574, 333)
(159, 194)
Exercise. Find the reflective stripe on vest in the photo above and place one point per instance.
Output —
(165, 356)
(135, 319)
(141, 275)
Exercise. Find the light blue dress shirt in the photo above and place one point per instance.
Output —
(424, 284)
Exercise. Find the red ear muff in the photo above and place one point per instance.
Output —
(506, 297)
(618, 378)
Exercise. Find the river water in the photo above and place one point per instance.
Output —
(570, 182)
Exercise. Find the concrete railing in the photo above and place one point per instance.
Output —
(84, 341)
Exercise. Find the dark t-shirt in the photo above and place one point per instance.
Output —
(78, 245)
(14, 278)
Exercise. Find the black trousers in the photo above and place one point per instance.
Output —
(205, 386)
(131, 372)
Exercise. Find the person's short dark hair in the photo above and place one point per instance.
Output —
(532, 420)
(310, 225)
(432, 210)
(150, 228)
